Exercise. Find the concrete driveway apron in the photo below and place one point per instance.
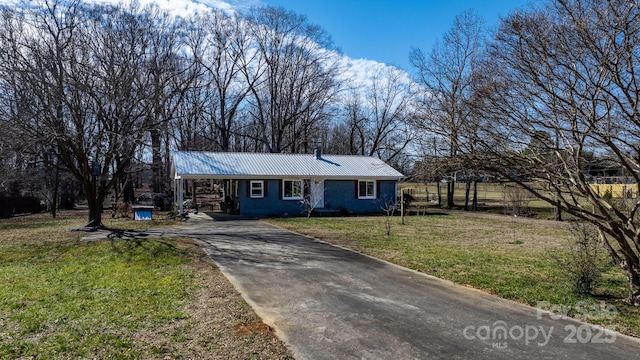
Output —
(326, 302)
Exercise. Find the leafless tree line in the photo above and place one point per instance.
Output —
(124, 85)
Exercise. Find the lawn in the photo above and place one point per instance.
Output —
(512, 257)
(494, 197)
(154, 298)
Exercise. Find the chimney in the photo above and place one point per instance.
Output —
(317, 153)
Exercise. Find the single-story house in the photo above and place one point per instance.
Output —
(268, 184)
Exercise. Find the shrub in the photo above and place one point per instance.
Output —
(516, 200)
(121, 210)
(584, 259)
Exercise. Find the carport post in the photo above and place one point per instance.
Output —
(181, 196)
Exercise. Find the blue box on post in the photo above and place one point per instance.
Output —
(142, 212)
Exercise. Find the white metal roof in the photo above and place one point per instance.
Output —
(233, 165)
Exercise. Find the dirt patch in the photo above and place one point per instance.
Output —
(255, 328)
(221, 325)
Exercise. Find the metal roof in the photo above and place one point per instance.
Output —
(234, 165)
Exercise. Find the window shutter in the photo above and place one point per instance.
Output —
(248, 188)
(357, 189)
(280, 189)
(265, 187)
(377, 189)
(306, 184)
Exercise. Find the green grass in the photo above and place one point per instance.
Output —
(61, 298)
(70, 299)
(66, 298)
(507, 256)
(493, 197)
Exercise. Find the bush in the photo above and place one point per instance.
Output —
(584, 259)
(516, 200)
(121, 210)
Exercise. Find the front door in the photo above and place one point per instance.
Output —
(317, 194)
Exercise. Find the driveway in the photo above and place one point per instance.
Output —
(326, 302)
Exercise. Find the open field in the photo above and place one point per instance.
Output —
(151, 299)
(504, 255)
(494, 197)
(503, 198)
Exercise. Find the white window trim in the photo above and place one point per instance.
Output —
(251, 194)
(374, 190)
(285, 181)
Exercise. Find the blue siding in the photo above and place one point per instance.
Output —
(338, 194)
(271, 204)
(342, 194)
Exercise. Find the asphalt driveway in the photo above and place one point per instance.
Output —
(326, 302)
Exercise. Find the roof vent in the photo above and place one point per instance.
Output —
(317, 153)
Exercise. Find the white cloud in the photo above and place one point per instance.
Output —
(361, 71)
(181, 8)
(357, 71)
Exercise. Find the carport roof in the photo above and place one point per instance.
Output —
(234, 165)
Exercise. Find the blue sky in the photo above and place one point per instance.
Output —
(385, 30)
(380, 31)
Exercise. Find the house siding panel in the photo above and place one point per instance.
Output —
(338, 194)
(271, 204)
(342, 194)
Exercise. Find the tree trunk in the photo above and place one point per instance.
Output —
(633, 274)
(156, 165)
(95, 211)
(558, 213)
(97, 217)
(450, 190)
(439, 194)
(474, 204)
(467, 192)
(95, 200)
(128, 193)
(56, 184)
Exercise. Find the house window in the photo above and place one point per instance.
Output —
(256, 189)
(366, 189)
(292, 189)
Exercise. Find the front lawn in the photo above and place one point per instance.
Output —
(153, 298)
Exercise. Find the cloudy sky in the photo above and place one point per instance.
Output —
(378, 30)
(369, 32)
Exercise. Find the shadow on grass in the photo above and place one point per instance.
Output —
(123, 241)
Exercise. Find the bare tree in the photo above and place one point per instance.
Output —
(349, 136)
(291, 80)
(388, 109)
(219, 44)
(376, 116)
(168, 75)
(78, 85)
(569, 71)
(447, 76)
